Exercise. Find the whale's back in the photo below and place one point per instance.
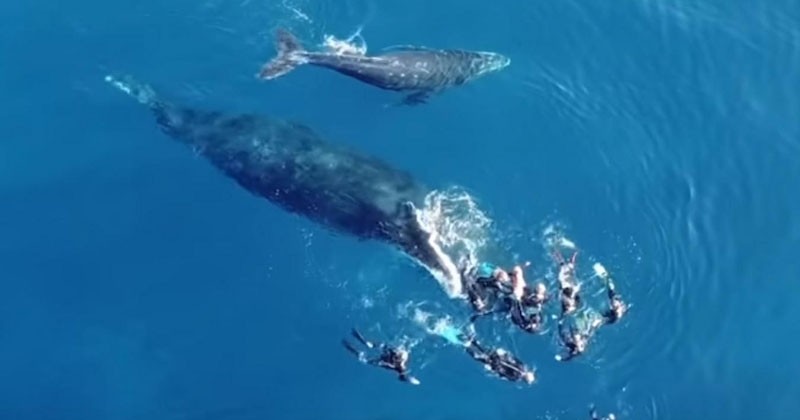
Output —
(290, 165)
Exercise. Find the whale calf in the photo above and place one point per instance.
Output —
(291, 166)
(417, 70)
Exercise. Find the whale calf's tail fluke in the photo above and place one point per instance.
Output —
(290, 55)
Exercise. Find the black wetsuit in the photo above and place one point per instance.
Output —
(491, 283)
(483, 294)
(568, 339)
(478, 296)
(569, 294)
(530, 299)
(390, 358)
(611, 316)
(530, 323)
(502, 363)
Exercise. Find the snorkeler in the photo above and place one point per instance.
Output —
(529, 322)
(616, 306)
(574, 341)
(537, 297)
(492, 277)
(500, 362)
(570, 299)
(391, 358)
(483, 284)
(477, 294)
(594, 416)
(525, 305)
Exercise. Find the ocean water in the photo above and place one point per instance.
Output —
(662, 137)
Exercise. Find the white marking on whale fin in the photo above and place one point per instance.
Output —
(143, 93)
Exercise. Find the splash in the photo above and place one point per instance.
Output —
(553, 237)
(442, 327)
(355, 44)
(600, 270)
(461, 228)
(296, 12)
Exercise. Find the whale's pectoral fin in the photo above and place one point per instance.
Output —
(417, 98)
(422, 244)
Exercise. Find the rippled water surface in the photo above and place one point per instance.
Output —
(662, 137)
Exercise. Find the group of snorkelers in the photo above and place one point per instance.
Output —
(395, 358)
(492, 290)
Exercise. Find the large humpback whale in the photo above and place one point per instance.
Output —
(291, 166)
(417, 70)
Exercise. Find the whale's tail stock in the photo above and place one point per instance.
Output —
(290, 55)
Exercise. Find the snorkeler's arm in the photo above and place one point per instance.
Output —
(565, 358)
(379, 362)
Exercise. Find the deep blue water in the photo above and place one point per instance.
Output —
(138, 282)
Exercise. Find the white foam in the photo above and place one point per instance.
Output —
(460, 231)
(298, 14)
(600, 270)
(442, 327)
(566, 243)
(355, 44)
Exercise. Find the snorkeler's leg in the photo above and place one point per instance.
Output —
(361, 338)
(477, 352)
(477, 315)
(593, 413)
(563, 333)
(612, 291)
(358, 354)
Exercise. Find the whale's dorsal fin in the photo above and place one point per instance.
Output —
(406, 48)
